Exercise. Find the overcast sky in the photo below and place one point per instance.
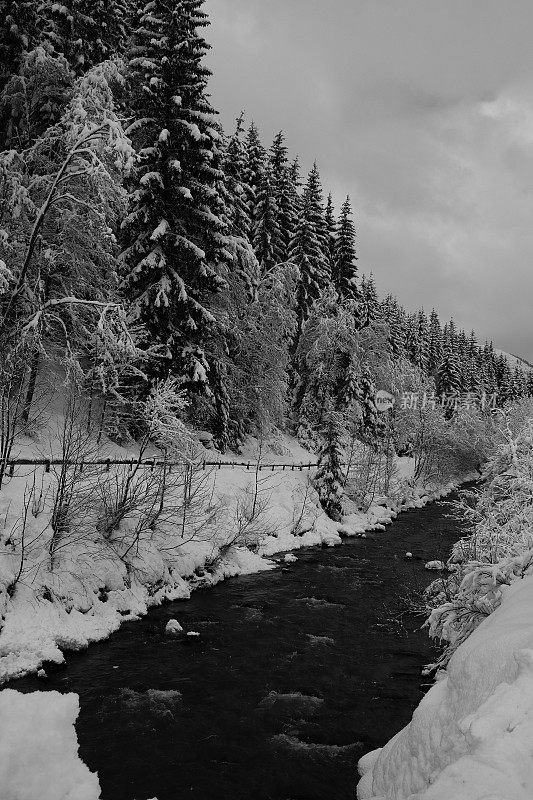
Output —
(422, 111)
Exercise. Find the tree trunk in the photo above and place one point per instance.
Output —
(30, 391)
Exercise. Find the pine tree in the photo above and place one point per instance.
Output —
(519, 382)
(20, 26)
(86, 32)
(392, 315)
(313, 203)
(371, 424)
(255, 163)
(506, 386)
(329, 476)
(331, 227)
(34, 99)
(233, 167)
(286, 196)
(421, 355)
(176, 249)
(489, 369)
(345, 272)
(434, 343)
(306, 255)
(278, 156)
(411, 337)
(448, 378)
(266, 234)
(349, 390)
(369, 304)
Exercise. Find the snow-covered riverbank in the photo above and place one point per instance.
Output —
(470, 737)
(92, 592)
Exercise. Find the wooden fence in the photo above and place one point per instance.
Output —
(150, 463)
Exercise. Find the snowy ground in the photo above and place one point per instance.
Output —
(471, 737)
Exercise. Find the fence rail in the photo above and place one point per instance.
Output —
(151, 463)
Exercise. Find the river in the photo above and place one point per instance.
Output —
(295, 675)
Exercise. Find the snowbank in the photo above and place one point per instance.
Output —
(39, 749)
(471, 737)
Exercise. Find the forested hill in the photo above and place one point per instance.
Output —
(142, 246)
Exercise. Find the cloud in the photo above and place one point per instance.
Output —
(422, 111)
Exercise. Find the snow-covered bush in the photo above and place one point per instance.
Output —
(499, 546)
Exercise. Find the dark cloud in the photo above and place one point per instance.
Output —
(422, 111)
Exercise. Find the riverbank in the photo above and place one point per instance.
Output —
(93, 592)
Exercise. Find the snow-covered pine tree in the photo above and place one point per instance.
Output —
(20, 25)
(422, 342)
(176, 251)
(349, 390)
(34, 98)
(313, 202)
(392, 316)
(233, 168)
(331, 227)
(519, 380)
(370, 303)
(371, 424)
(266, 232)
(286, 195)
(489, 370)
(329, 477)
(434, 343)
(255, 163)
(411, 337)
(86, 32)
(448, 378)
(305, 254)
(506, 386)
(345, 272)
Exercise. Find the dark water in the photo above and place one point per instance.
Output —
(296, 674)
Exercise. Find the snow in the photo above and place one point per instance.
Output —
(39, 749)
(290, 558)
(471, 736)
(435, 565)
(172, 627)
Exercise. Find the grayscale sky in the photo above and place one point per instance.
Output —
(422, 111)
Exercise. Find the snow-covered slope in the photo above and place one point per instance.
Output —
(471, 737)
(515, 361)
